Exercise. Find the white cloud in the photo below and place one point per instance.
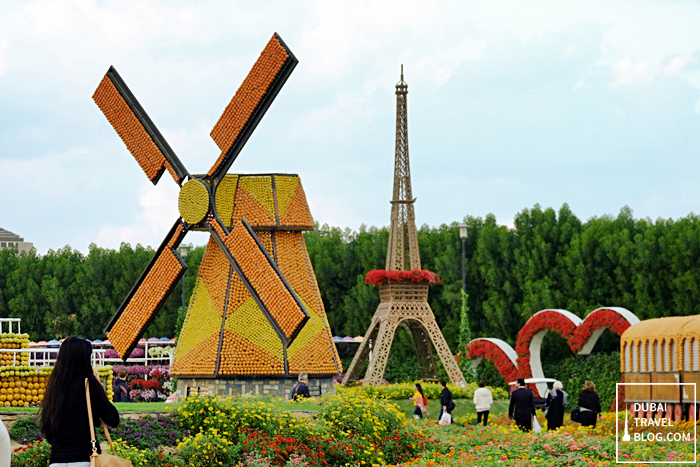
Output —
(626, 72)
(158, 214)
(580, 84)
(677, 65)
(3, 56)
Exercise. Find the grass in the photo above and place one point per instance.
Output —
(462, 407)
(122, 407)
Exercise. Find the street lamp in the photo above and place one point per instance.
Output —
(463, 230)
(183, 249)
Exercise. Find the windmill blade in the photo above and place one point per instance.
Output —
(148, 294)
(251, 101)
(263, 279)
(136, 129)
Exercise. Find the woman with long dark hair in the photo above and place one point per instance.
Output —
(64, 417)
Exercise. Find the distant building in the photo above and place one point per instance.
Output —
(11, 240)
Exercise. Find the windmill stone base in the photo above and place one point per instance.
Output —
(276, 386)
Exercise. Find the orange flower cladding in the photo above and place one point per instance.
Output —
(248, 97)
(262, 276)
(292, 263)
(215, 271)
(313, 350)
(144, 302)
(265, 237)
(239, 356)
(130, 130)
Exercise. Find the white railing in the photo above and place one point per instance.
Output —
(9, 322)
(46, 356)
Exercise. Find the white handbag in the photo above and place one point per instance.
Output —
(446, 419)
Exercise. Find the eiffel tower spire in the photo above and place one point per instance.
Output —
(403, 240)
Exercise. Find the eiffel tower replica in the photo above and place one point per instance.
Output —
(403, 303)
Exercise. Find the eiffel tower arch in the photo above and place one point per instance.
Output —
(403, 304)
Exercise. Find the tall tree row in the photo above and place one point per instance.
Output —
(548, 259)
(64, 292)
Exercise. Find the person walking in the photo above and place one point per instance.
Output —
(589, 405)
(482, 401)
(122, 392)
(522, 406)
(419, 401)
(302, 389)
(64, 414)
(447, 404)
(554, 406)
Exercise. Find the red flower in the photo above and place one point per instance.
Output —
(490, 351)
(378, 277)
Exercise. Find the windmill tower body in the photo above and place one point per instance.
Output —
(403, 303)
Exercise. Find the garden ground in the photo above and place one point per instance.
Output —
(352, 429)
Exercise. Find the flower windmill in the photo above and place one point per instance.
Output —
(256, 303)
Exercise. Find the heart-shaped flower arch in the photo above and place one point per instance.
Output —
(581, 335)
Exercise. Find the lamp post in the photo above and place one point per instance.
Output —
(463, 235)
(183, 249)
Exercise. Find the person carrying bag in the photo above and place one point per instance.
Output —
(446, 403)
(97, 459)
(65, 419)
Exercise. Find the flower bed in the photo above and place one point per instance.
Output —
(377, 277)
(353, 429)
(501, 444)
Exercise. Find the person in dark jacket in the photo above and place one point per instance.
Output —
(554, 407)
(122, 392)
(64, 413)
(589, 405)
(447, 404)
(302, 389)
(522, 406)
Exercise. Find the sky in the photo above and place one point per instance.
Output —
(511, 104)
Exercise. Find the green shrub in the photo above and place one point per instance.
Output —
(209, 447)
(25, 430)
(149, 457)
(574, 370)
(352, 411)
(231, 415)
